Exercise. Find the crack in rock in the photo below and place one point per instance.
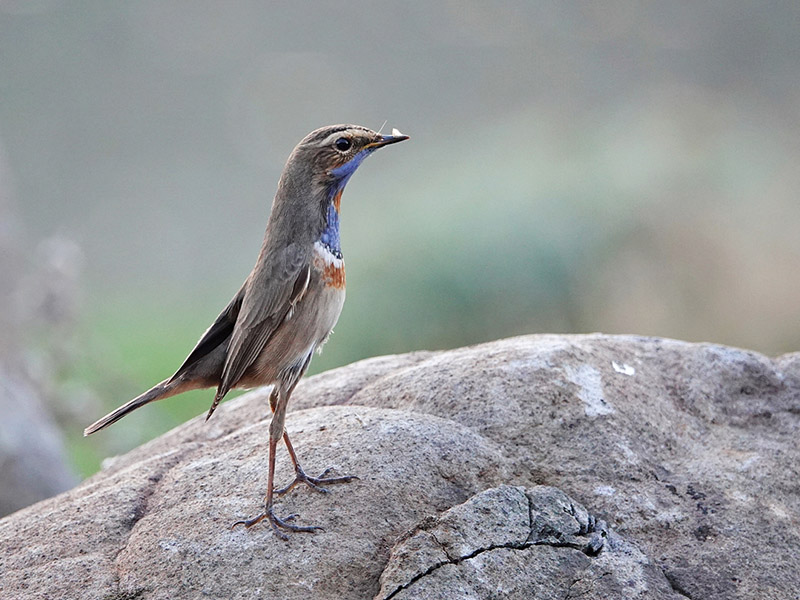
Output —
(676, 587)
(508, 514)
(455, 561)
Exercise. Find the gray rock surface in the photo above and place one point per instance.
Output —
(518, 543)
(485, 472)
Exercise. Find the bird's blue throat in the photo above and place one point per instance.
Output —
(330, 235)
(342, 174)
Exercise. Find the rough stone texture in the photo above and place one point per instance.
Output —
(509, 542)
(688, 451)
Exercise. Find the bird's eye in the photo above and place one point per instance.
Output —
(343, 144)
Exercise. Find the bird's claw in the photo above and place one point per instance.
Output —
(277, 524)
(315, 483)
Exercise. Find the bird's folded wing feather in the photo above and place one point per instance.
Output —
(270, 293)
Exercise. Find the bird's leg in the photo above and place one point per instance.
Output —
(314, 483)
(300, 476)
(275, 432)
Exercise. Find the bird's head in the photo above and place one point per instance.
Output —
(335, 152)
(310, 190)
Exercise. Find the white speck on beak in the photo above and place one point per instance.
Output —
(396, 132)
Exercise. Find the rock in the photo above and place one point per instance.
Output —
(513, 542)
(485, 472)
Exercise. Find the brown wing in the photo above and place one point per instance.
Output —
(274, 287)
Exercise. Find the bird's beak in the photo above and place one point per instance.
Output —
(388, 139)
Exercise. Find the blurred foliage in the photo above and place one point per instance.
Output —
(573, 167)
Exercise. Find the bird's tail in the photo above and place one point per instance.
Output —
(165, 389)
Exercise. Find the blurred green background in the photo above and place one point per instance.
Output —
(574, 167)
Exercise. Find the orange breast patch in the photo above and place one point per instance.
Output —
(333, 275)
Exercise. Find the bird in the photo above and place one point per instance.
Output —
(288, 305)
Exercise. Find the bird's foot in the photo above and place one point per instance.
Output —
(278, 524)
(315, 483)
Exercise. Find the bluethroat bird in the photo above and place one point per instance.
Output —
(287, 306)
